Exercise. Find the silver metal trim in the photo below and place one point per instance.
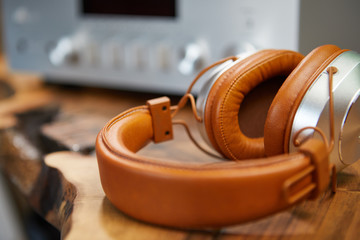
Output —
(208, 84)
(313, 110)
(349, 139)
(204, 93)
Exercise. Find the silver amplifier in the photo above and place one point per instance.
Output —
(159, 45)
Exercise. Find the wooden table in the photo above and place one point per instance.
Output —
(47, 136)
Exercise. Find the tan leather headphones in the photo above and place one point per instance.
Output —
(269, 178)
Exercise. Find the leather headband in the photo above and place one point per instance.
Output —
(191, 195)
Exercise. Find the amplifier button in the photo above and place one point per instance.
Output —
(112, 55)
(139, 55)
(164, 57)
(91, 54)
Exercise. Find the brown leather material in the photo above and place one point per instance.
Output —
(286, 102)
(161, 118)
(194, 195)
(184, 194)
(320, 159)
(229, 91)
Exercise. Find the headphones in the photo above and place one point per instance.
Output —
(288, 164)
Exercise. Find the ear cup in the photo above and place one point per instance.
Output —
(286, 102)
(227, 94)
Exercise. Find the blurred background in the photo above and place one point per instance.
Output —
(159, 46)
(17, 220)
(150, 46)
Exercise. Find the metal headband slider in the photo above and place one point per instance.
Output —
(161, 119)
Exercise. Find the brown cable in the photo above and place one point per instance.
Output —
(193, 107)
(188, 94)
(297, 142)
(183, 123)
(331, 71)
(207, 69)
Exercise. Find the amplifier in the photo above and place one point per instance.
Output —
(158, 45)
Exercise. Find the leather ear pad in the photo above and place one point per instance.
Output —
(229, 91)
(281, 113)
(188, 194)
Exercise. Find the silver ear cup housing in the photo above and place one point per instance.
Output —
(314, 109)
(204, 93)
(209, 83)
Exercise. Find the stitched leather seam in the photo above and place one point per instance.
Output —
(124, 115)
(231, 88)
(293, 157)
(182, 168)
(211, 103)
(218, 85)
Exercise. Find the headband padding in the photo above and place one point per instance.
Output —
(187, 194)
(134, 133)
(229, 91)
(282, 111)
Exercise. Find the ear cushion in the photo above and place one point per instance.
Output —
(229, 91)
(286, 102)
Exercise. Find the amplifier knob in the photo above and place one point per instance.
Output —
(193, 57)
(64, 53)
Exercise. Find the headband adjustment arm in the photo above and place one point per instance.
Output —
(161, 119)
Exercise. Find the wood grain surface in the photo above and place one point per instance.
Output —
(47, 136)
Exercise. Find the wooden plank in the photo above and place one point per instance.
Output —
(332, 216)
(93, 216)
